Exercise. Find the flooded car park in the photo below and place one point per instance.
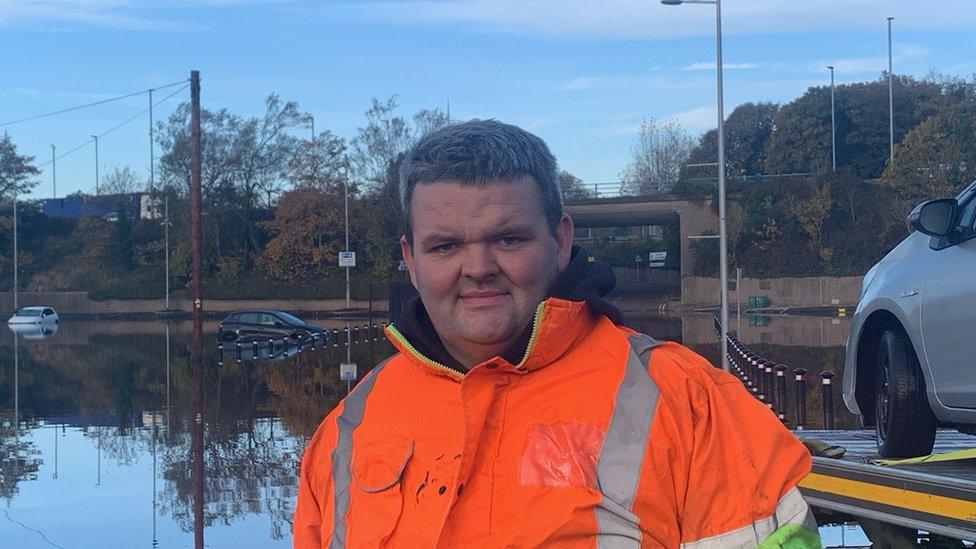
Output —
(101, 413)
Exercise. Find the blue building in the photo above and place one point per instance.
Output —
(76, 206)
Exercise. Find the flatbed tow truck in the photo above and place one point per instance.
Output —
(937, 497)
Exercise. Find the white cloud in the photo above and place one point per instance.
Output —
(630, 19)
(116, 14)
(696, 120)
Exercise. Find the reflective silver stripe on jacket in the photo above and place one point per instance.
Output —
(619, 468)
(791, 509)
(349, 419)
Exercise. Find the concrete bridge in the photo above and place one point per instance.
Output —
(692, 219)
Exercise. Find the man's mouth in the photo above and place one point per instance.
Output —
(482, 298)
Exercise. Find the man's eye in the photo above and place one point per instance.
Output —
(511, 240)
(443, 248)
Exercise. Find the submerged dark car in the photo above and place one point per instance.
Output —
(261, 325)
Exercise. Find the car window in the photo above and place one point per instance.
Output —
(291, 318)
(248, 318)
(968, 213)
(29, 312)
(267, 320)
(48, 312)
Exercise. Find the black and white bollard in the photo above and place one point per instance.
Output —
(800, 379)
(827, 395)
(781, 392)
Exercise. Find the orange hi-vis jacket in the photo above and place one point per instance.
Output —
(599, 437)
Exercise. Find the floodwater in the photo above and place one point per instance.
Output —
(97, 426)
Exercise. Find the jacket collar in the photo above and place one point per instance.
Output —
(557, 324)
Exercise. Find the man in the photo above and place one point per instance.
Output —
(518, 412)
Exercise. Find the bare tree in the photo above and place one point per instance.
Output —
(386, 136)
(122, 181)
(661, 148)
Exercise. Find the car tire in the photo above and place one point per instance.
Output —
(904, 422)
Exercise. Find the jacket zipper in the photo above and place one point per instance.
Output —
(396, 333)
(536, 322)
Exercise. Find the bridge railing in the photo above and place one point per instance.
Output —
(618, 189)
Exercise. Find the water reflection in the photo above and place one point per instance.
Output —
(127, 403)
(116, 429)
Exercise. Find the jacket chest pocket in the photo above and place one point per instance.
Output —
(377, 470)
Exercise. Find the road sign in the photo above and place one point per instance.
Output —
(656, 265)
(657, 256)
(347, 371)
(347, 259)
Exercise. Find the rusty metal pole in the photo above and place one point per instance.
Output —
(197, 341)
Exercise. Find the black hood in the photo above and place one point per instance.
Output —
(582, 280)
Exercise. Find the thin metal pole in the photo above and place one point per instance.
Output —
(167, 379)
(15, 248)
(345, 184)
(152, 155)
(54, 171)
(723, 238)
(16, 387)
(166, 233)
(55, 451)
(738, 302)
(95, 137)
(833, 123)
(891, 101)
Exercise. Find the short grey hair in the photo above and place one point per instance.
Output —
(479, 152)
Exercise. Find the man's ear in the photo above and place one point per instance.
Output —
(564, 240)
(408, 258)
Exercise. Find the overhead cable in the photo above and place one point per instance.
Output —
(113, 128)
(102, 102)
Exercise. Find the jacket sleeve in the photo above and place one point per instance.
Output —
(741, 466)
(312, 523)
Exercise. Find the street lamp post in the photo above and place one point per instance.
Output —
(833, 123)
(723, 237)
(54, 171)
(891, 102)
(95, 137)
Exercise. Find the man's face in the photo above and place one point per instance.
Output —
(482, 259)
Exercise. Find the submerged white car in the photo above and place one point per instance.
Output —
(911, 353)
(35, 315)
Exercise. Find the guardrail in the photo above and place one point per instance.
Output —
(619, 189)
(766, 380)
(274, 348)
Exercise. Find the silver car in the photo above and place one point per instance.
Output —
(911, 354)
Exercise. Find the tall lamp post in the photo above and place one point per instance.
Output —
(95, 137)
(54, 171)
(891, 101)
(833, 122)
(723, 237)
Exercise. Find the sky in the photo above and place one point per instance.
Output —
(581, 74)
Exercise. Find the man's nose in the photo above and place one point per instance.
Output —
(479, 263)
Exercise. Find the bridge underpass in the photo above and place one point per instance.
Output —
(692, 219)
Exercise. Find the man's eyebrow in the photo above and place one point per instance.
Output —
(436, 238)
(517, 228)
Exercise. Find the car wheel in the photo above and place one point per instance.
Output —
(904, 422)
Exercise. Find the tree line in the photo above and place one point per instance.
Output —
(274, 194)
(791, 213)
